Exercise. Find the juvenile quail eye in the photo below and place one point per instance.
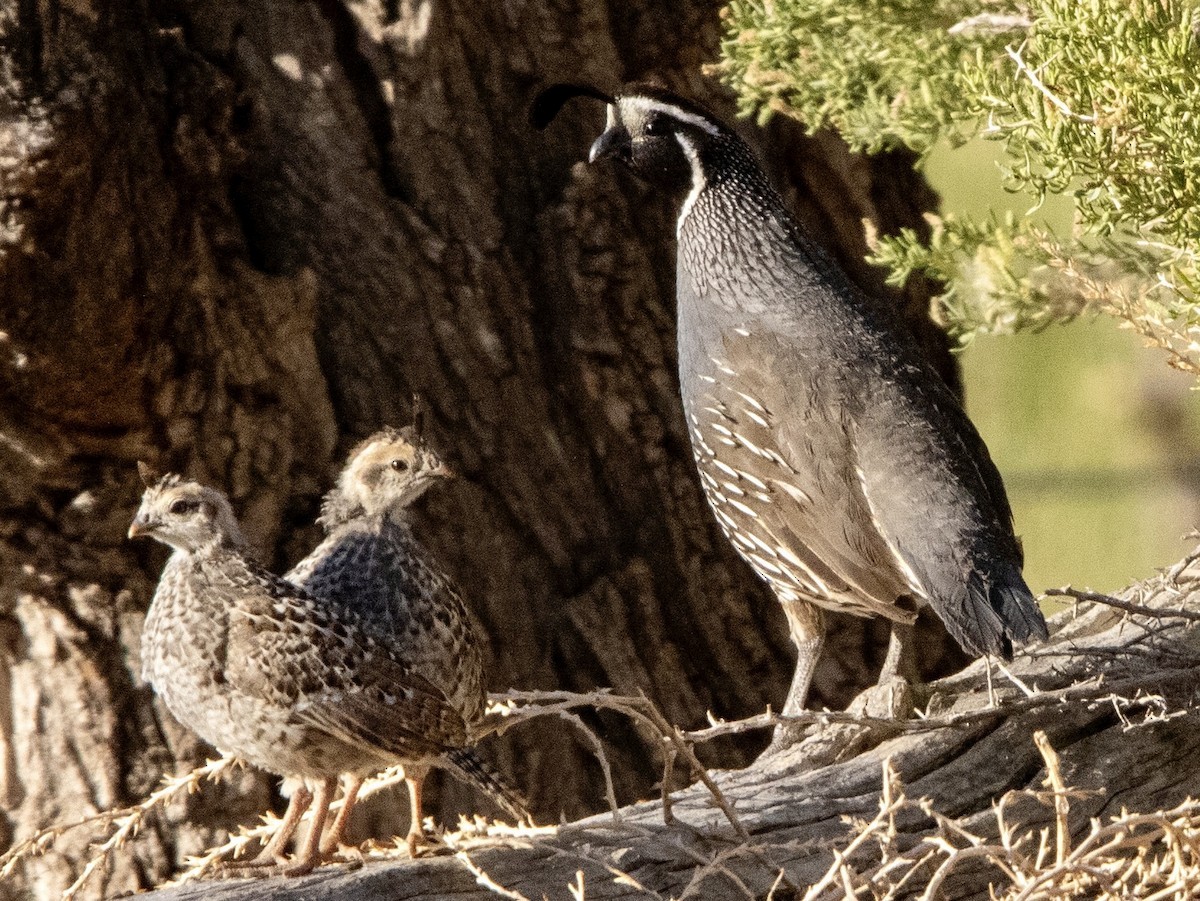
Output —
(178, 508)
(655, 125)
(400, 465)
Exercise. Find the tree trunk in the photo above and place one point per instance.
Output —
(1114, 701)
(236, 238)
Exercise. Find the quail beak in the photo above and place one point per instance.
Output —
(140, 527)
(614, 142)
(444, 471)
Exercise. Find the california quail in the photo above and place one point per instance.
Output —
(372, 566)
(262, 669)
(835, 459)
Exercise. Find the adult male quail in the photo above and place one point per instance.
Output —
(371, 565)
(837, 462)
(262, 669)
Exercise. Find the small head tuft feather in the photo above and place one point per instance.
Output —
(149, 475)
(418, 423)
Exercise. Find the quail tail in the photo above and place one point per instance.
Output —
(467, 764)
(1016, 605)
(995, 611)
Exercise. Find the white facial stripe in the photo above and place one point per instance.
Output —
(612, 116)
(647, 105)
(697, 180)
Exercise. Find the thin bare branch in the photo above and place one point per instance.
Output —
(1129, 607)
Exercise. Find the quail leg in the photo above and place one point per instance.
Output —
(272, 852)
(806, 623)
(414, 778)
(309, 855)
(899, 662)
(891, 697)
(333, 839)
(807, 626)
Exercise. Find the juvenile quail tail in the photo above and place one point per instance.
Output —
(467, 764)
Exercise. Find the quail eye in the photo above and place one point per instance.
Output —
(178, 508)
(655, 125)
(400, 465)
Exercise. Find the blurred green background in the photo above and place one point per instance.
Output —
(1097, 438)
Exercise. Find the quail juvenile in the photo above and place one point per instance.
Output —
(371, 565)
(261, 669)
(836, 460)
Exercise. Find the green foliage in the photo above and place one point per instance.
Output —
(882, 73)
(1096, 100)
(986, 258)
(1104, 105)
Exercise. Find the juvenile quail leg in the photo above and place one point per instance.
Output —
(333, 839)
(806, 623)
(309, 854)
(272, 852)
(414, 778)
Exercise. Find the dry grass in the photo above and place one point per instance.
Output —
(1146, 856)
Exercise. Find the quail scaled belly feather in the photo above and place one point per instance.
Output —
(835, 459)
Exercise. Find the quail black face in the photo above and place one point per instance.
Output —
(673, 143)
(659, 137)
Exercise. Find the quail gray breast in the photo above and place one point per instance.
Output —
(262, 669)
(371, 567)
(835, 459)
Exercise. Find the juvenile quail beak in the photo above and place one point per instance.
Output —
(614, 142)
(445, 471)
(139, 527)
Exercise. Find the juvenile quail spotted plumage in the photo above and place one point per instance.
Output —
(371, 565)
(261, 669)
(836, 460)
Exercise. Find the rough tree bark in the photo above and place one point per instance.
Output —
(1113, 691)
(238, 237)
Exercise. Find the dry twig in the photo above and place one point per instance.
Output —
(126, 820)
(1153, 855)
(1129, 607)
(521, 705)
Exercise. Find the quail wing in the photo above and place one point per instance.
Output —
(377, 570)
(785, 489)
(880, 489)
(285, 647)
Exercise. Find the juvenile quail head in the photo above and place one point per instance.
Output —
(184, 514)
(390, 470)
